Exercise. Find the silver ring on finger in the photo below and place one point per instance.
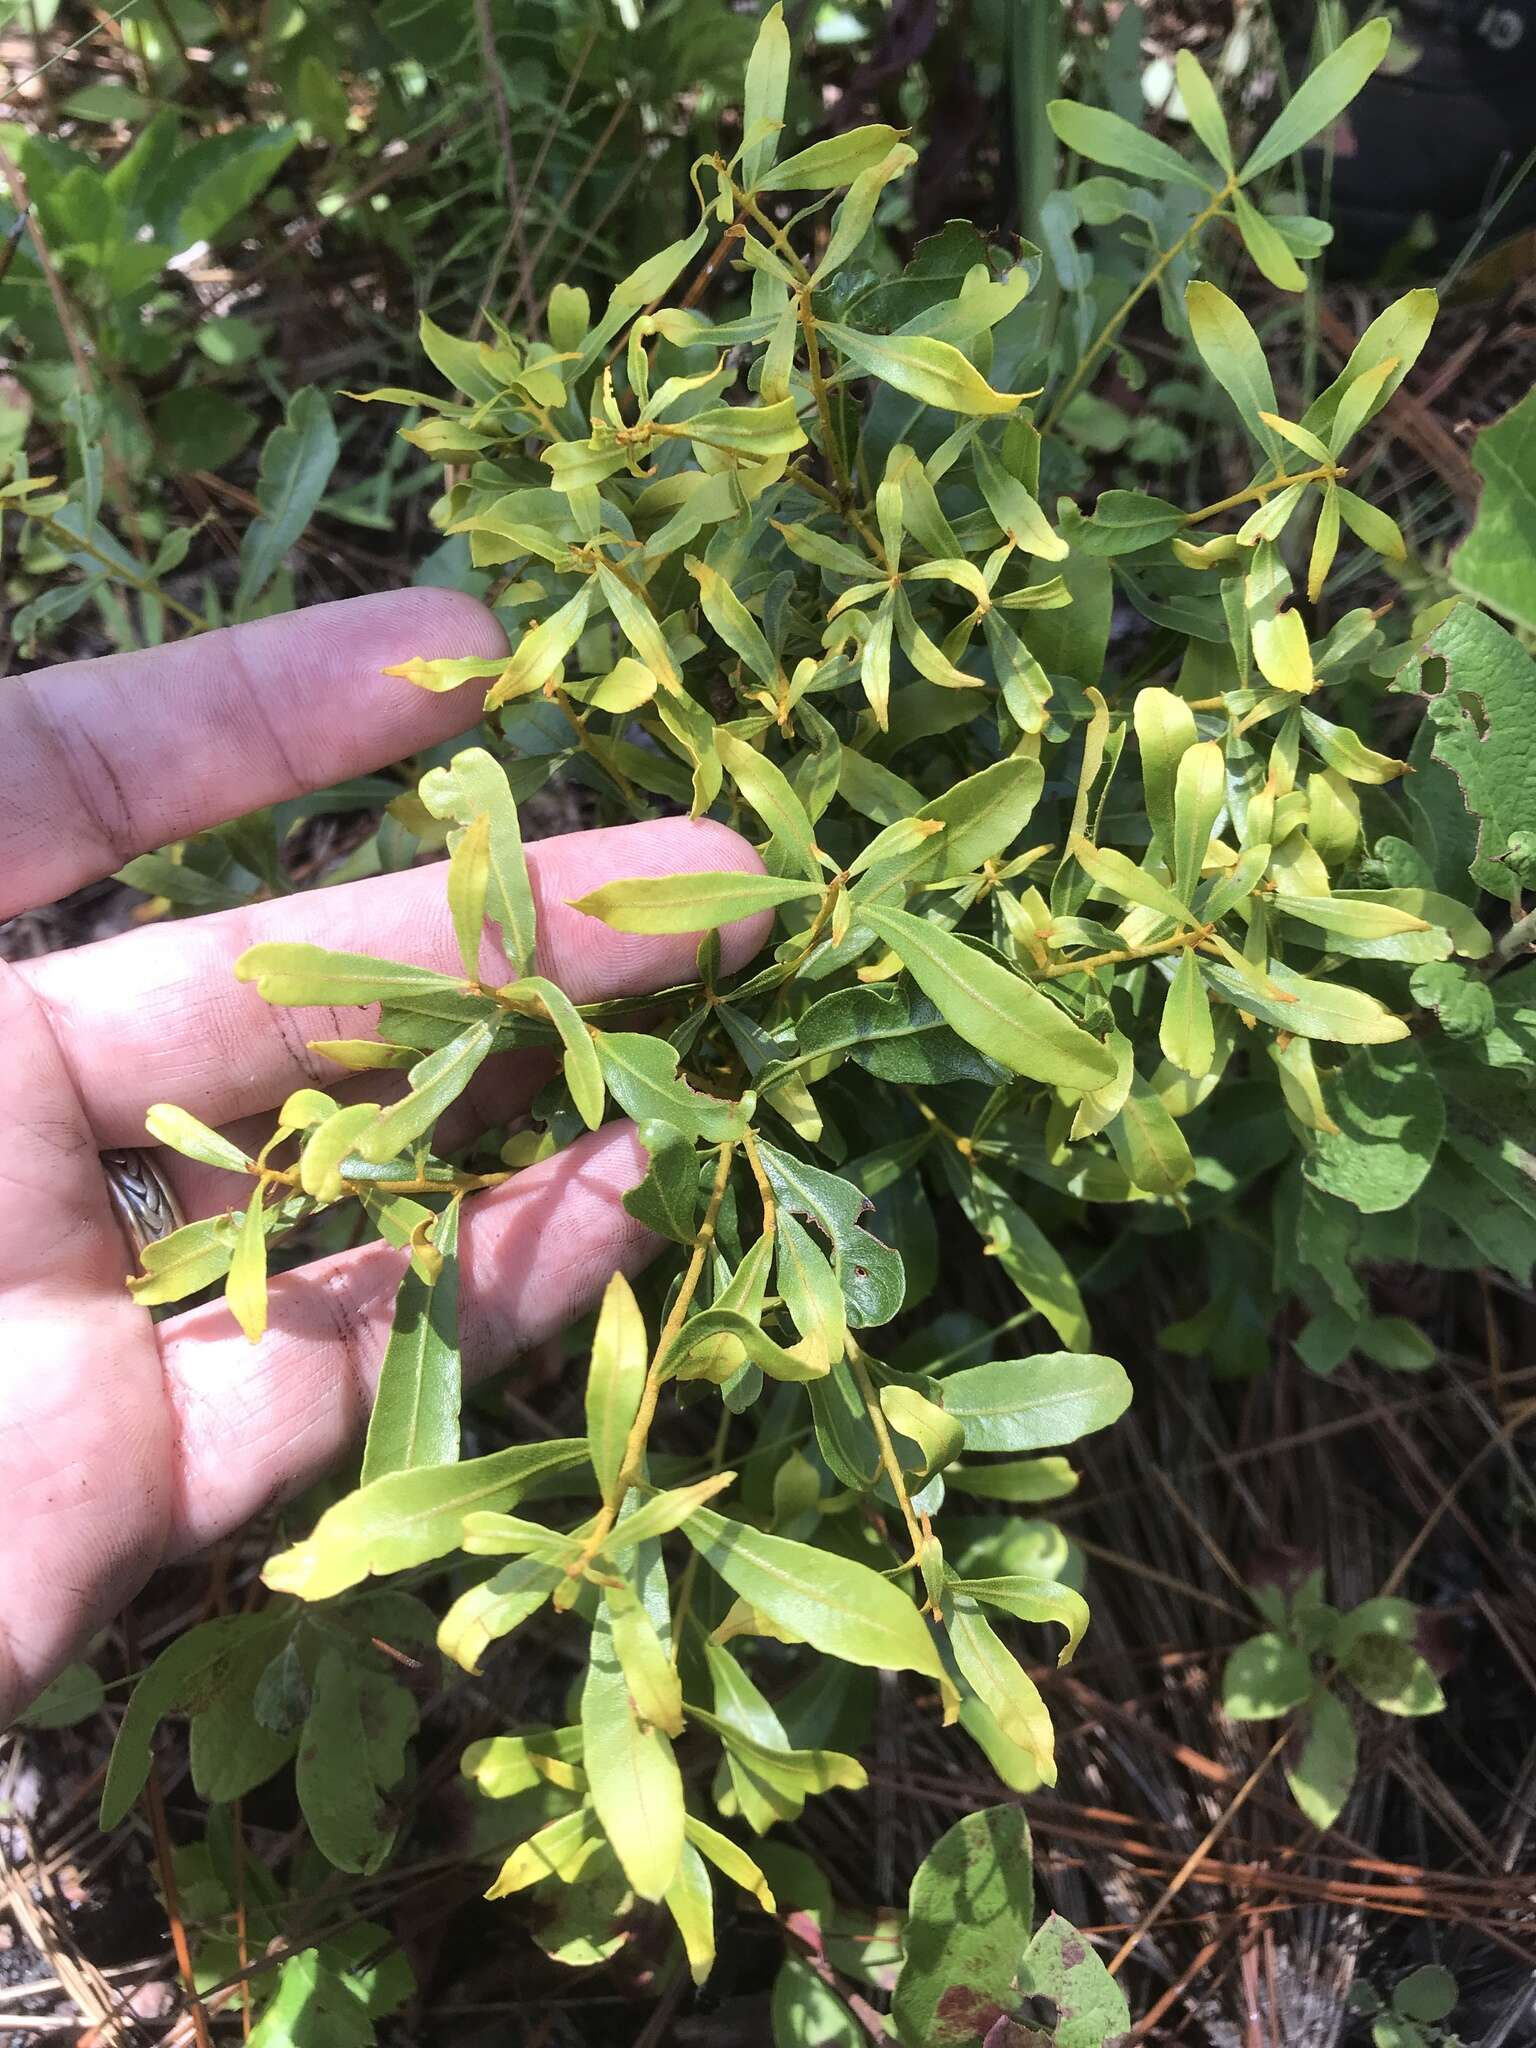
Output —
(142, 1199)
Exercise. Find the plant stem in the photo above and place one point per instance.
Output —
(645, 1414)
(1088, 362)
(145, 585)
(1096, 960)
(1324, 472)
(888, 1457)
(830, 445)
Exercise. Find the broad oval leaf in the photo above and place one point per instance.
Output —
(1032, 1404)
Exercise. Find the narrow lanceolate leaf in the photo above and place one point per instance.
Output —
(296, 466)
(641, 1076)
(562, 1849)
(769, 791)
(1267, 246)
(992, 1008)
(469, 877)
(839, 1607)
(489, 1611)
(415, 1418)
(690, 1899)
(632, 1775)
(688, 903)
(934, 371)
(1199, 791)
(762, 105)
(535, 996)
(1231, 352)
(1034, 1404)
(1367, 522)
(1321, 97)
(1165, 731)
(837, 161)
(1015, 511)
(474, 787)
(615, 1379)
(1203, 107)
(436, 1081)
(539, 657)
(168, 1125)
(730, 1861)
(645, 1660)
(1115, 876)
(1187, 1034)
(1107, 138)
(1309, 1008)
(733, 622)
(412, 1517)
(1038, 1600)
(298, 975)
(245, 1291)
(992, 1671)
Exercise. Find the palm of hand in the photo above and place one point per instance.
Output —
(127, 1442)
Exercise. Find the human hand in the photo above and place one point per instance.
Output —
(126, 1443)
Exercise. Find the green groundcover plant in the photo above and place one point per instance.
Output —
(1120, 909)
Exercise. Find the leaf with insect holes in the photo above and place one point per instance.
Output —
(1059, 1965)
(970, 1910)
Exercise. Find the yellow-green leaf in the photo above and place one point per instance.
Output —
(615, 1379)
(934, 371)
(837, 1606)
(168, 1125)
(632, 1775)
(540, 654)
(990, 1668)
(245, 1291)
(992, 1008)
(1283, 654)
(469, 877)
(1199, 791)
(1186, 1034)
(837, 161)
(412, 1517)
(1015, 510)
(688, 902)
(583, 1072)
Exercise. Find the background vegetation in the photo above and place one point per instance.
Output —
(242, 211)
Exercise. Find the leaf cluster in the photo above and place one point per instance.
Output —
(1083, 939)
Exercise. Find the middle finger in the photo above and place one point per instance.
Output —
(157, 1015)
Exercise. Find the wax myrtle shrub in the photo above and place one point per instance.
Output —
(1091, 947)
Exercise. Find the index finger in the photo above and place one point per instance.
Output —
(106, 759)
